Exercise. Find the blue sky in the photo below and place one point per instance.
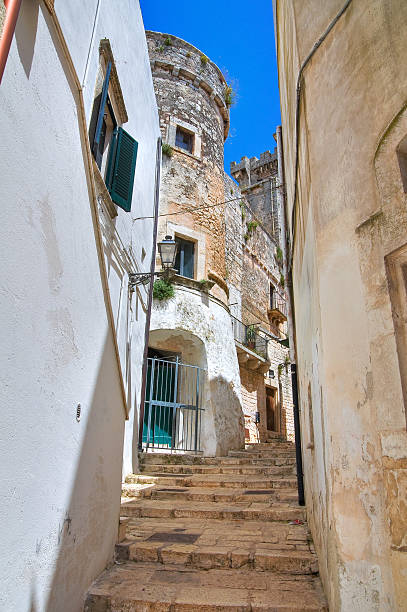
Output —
(239, 37)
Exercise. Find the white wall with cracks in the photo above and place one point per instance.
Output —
(61, 478)
(197, 325)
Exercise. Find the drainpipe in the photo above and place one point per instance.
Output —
(150, 293)
(12, 10)
(290, 314)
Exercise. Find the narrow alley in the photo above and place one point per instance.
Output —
(218, 533)
(203, 306)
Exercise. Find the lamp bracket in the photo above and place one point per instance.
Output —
(137, 278)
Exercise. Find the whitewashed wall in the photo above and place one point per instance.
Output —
(192, 319)
(60, 479)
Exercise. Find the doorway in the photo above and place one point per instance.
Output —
(272, 413)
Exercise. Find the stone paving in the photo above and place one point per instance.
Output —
(205, 534)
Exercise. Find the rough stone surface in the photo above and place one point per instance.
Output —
(201, 331)
(212, 556)
(349, 259)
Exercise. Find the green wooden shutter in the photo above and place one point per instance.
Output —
(121, 168)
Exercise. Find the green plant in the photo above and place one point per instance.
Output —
(162, 289)
(279, 254)
(230, 95)
(251, 226)
(280, 368)
(243, 209)
(168, 41)
(167, 149)
(188, 54)
(251, 333)
(205, 283)
(231, 191)
(204, 60)
(160, 48)
(282, 281)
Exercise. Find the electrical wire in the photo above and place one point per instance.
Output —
(206, 206)
(191, 209)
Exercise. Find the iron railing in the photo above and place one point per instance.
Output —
(248, 336)
(173, 405)
(277, 302)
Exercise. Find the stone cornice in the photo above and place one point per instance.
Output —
(197, 81)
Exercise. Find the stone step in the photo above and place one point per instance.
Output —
(262, 455)
(245, 460)
(209, 494)
(149, 587)
(245, 510)
(214, 480)
(252, 470)
(273, 546)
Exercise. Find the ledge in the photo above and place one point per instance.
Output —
(102, 190)
(219, 281)
(274, 314)
(251, 360)
(191, 285)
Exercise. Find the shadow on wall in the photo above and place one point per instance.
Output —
(223, 420)
(26, 32)
(88, 527)
(227, 416)
(88, 531)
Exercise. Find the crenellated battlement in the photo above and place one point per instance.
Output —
(250, 171)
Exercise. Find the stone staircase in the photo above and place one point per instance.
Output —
(212, 533)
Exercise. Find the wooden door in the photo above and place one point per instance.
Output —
(272, 416)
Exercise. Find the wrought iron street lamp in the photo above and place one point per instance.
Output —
(168, 252)
(167, 249)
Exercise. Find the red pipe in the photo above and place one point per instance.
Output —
(12, 10)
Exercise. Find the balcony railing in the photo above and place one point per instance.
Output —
(278, 303)
(246, 335)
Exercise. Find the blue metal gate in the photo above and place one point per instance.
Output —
(173, 405)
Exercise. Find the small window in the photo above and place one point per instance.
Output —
(184, 140)
(114, 150)
(108, 126)
(271, 296)
(402, 159)
(185, 260)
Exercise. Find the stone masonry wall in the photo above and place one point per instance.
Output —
(257, 180)
(191, 94)
(253, 264)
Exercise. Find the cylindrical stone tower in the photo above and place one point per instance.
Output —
(193, 101)
(195, 325)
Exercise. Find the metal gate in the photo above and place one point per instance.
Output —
(173, 405)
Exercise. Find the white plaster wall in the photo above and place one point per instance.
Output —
(206, 318)
(129, 236)
(60, 479)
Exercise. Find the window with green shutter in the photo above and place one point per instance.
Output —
(121, 168)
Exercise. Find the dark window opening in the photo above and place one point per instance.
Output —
(271, 296)
(106, 132)
(184, 140)
(402, 159)
(184, 261)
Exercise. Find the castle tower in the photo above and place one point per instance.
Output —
(257, 181)
(193, 100)
(193, 327)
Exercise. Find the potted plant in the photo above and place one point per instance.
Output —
(251, 336)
